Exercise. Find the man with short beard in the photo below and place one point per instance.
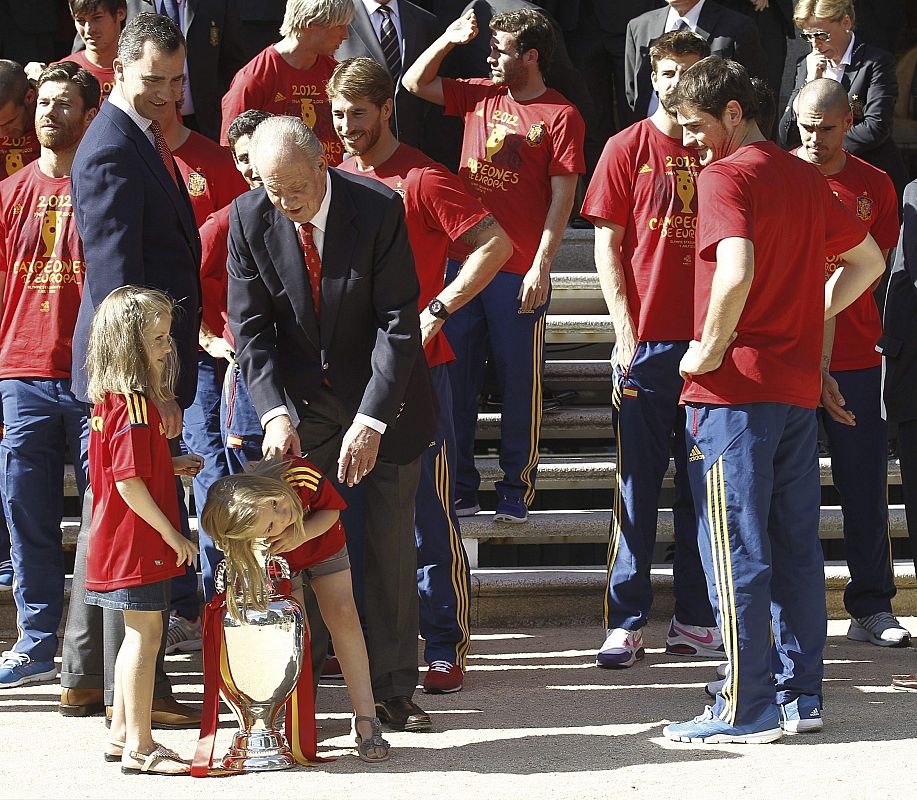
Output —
(18, 145)
(41, 278)
(643, 203)
(521, 156)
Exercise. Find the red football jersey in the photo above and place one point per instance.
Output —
(210, 175)
(127, 440)
(316, 494)
(645, 182)
(870, 194)
(16, 152)
(42, 258)
(214, 278)
(269, 83)
(784, 207)
(105, 77)
(437, 211)
(510, 151)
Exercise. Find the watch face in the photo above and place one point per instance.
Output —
(437, 309)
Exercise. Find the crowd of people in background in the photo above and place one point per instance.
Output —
(345, 212)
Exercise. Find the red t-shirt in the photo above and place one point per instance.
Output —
(127, 440)
(645, 182)
(105, 77)
(784, 206)
(510, 151)
(16, 152)
(269, 83)
(210, 175)
(41, 257)
(214, 278)
(870, 194)
(316, 494)
(437, 211)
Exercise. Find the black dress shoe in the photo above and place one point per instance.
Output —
(402, 714)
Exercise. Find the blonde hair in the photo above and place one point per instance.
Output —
(833, 10)
(233, 506)
(117, 360)
(300, 14)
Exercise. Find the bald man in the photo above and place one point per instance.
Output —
(852, 372)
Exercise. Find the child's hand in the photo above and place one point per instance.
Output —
(188, 465)
(285, 541)
(185, 550)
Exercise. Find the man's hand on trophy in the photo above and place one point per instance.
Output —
(280, 438)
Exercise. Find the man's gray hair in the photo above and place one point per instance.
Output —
(300, 13)
(281, 134)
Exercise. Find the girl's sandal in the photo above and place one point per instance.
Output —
(151, 760)
(366, 746)
(110, 755)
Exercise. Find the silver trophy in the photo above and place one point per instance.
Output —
(264, 653)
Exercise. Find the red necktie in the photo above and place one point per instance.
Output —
(313, 263)
(163, 149)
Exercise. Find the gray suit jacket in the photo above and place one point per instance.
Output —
(729, 34)
(418, 30)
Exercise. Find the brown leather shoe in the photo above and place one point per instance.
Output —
(81, 702)
(168, 714)
(403, 714)
(905, 683)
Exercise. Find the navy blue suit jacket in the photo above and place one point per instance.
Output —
(137, 227)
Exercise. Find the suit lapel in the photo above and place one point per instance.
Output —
(856, 63)
(409, 51)
(283, 247)
(363, 27)
(658, 24)
(190, 8)
(177, 193)
(706, 22)
(340, 235)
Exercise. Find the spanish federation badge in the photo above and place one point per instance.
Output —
(214, 34)
(197, 184)
(864, 207)
(536, 134)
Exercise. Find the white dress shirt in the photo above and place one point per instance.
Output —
(118, 101)
(836, 72)
(319, 226)
(672, 23)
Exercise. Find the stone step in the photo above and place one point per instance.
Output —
(578, 328)
(576, 253)
(566, 422)
(576, 293)
(567, 527)
(572, 370)
(531, 597)
(598, 472)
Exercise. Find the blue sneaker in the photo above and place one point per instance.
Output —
(708, 729)
(512, 510)
(6, 574)
(802, 715)
(17, 669)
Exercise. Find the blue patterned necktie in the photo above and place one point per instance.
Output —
(170, 10)
(389, 40)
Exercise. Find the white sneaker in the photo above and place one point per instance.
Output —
(183, 635)
(694, 640)
(622, 648)
(722, 669)
(881, 629)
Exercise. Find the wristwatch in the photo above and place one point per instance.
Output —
(438, 309)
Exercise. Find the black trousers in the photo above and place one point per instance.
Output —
(907, 455)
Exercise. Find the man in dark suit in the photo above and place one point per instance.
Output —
(323, 310)
(137, 227)
(729, 34)
(415, 30)
(213, 30)
(898, 346)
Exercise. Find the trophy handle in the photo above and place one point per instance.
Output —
(219, 578)
(276, 568)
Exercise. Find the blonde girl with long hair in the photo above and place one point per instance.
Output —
(135, 544)
(292, 509)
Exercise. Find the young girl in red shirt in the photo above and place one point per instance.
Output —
(135, 544)
(294, 510)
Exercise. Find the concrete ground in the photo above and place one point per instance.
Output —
(536, 720)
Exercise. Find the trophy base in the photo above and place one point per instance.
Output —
(258, 752)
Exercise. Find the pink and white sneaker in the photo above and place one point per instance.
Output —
(622, 648)
(693, 640)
